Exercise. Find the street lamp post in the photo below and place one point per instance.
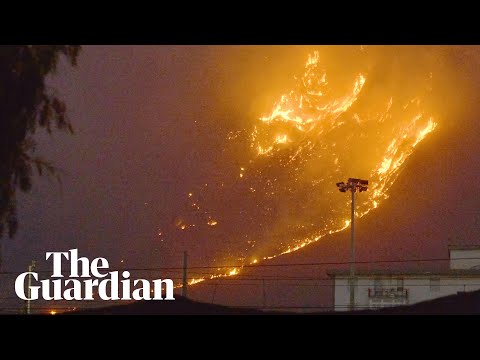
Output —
(353, 185)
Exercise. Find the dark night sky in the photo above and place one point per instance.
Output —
(143, 137)
(137, 148)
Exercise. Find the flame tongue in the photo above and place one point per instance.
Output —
(316, 135)
(326, 133)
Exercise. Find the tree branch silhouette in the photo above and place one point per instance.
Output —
(26, 104)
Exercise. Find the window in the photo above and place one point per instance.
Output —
(377, 287)
(399, 284)
(434, 284)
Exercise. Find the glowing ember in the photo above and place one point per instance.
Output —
(233, 272)
(281, 139)
(195, 281)
(212, 222)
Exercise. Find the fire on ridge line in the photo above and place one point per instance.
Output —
(311, 113)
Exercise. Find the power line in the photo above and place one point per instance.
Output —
(280, 278)
(263, 265)
(328, 285)
(261, 284)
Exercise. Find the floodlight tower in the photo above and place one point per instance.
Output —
(354, 185)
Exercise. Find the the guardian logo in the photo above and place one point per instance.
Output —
(92, 280)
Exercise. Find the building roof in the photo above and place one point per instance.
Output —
(457, 273)
(462, 303)
(463, 247)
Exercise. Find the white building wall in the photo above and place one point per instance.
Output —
(422, 289)
(361, 293)
(419, 289)
(464, 258)
(342, 297)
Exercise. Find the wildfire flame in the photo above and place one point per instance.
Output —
(308, 142)
(315, 115)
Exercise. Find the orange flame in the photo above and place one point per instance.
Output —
(314, 112)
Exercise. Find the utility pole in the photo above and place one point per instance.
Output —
(214, 291)
(184, 286)
(352, 254)
(31, 267)
(264, 295)
(352, 185)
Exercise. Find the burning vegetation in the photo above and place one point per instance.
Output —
(326, 128)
